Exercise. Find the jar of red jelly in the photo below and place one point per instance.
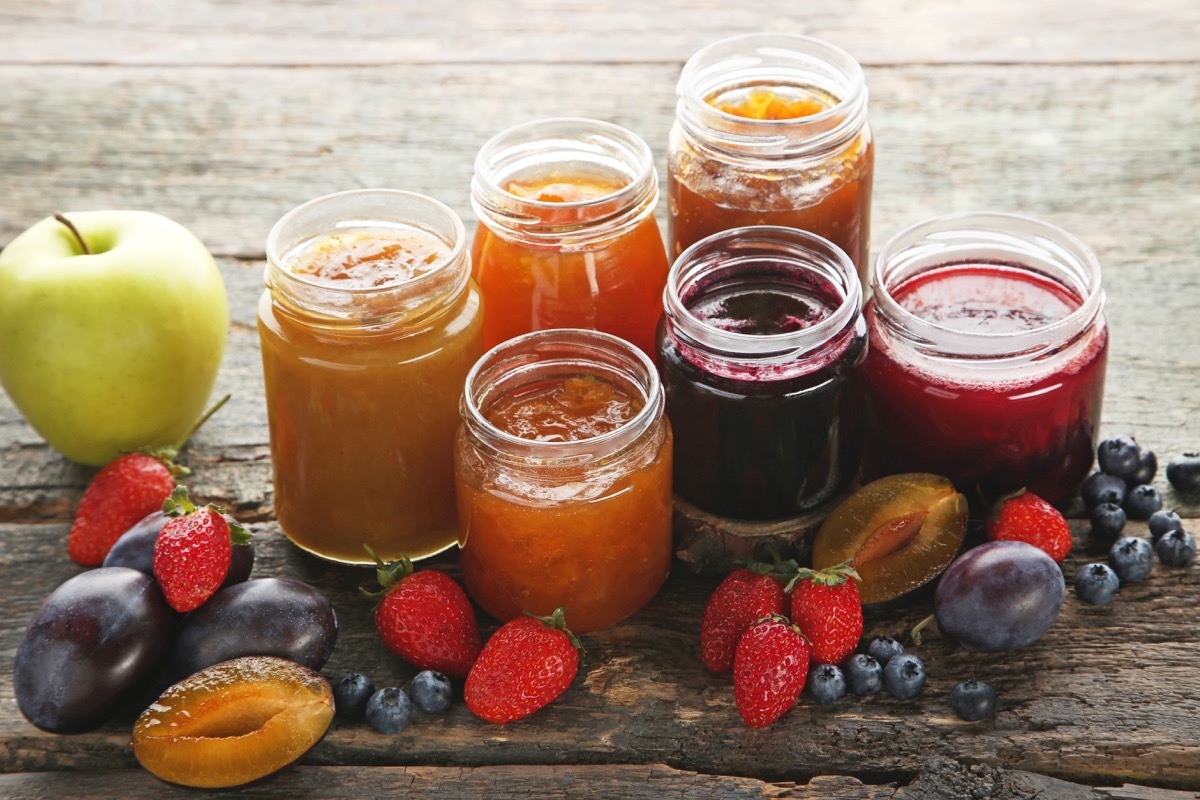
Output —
(567, 236)
(988, 350)
(563, 477)
(771, 129)
(759, 348)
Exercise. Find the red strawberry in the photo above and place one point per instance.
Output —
(1025, 517)
(739, 600)
(192, 552)
(426, 618)
(526, 664)
(770, 668)
(826, 606)
(120, 495)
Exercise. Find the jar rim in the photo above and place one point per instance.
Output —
(988, 237)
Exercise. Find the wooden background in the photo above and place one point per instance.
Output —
(225, 115)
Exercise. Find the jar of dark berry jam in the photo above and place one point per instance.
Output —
(759, 346)
(988, 350)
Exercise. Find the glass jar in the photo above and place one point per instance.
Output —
(369, 325)
(988, 350)
(567, 236)
(563, 465)
(771, 129)
(759, 350)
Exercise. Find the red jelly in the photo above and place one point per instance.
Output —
(988, 352)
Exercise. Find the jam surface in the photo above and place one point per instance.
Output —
(567, 410)
(771, 103)
(366, 257)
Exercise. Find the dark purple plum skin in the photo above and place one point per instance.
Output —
(999, 596)
(94, 643)
(280, 617)
(135, 549)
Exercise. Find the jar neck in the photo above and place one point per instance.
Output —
(786, 260)
(1025, 247)
(781, 64)
(554, 355)
(569, 151)
(407, 302)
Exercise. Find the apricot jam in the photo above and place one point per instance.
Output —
(563, 466)
(369, 325)
(567, 236)
(772, 130)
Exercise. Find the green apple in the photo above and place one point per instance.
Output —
(111, 330)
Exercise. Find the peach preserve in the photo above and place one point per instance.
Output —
(369, 325)
(567, 236)
(563, 466)
(988, 350)
(772, 130)
(759, 349)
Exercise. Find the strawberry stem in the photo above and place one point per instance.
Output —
(830, 576)
(558, 620)
(387, 573)
(178, 504)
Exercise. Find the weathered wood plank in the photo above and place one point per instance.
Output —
(612, 31)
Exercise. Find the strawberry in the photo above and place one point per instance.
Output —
(826, 606)
(526, 664)
(770, 668)
(426, 618)
(192, 552)
(1025, 517)
(740, 599)
(121, 494)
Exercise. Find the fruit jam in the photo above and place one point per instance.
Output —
(758, 353)
(567, 236)
(564, 479)
(997, 384)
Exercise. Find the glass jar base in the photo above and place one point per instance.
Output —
(366, 560)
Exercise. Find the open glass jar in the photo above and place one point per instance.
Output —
(771, 129)
(563, 466)
(369, 324)
(988, 352)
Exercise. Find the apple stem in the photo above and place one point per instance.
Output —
(58, 215)
(215, 408)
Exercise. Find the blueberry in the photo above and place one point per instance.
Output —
(351, 693)
(1096, 584)
(1108, 519)
(1176, 548)
(864, 675)
(389, 710)
(1100, 488)
(973, 700)
(826, 683)
(1184, 472)
(1147, 467)
(1164, 522)
(883, 648)
(431, 692)
(1118, 456)
(904, 676)
(1142, 501)
(1131, 558)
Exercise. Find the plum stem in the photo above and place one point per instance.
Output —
(920, 626)
(58, 215)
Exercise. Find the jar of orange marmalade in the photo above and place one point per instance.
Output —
(567, 236)
(563, 466)
(369, 325)
(771, 129)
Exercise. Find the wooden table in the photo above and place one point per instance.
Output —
(225, 115)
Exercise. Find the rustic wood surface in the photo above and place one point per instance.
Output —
(1085, 114)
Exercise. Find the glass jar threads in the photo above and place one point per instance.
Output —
(988, 352)
(567, 236)
(771, 129)
(759, 348)
(369, 325)
(563, 467)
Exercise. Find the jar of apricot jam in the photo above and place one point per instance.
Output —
(567, 236)
(759, 348)
(563, 466)
(771, 129)
(988, 350)
(369, 325)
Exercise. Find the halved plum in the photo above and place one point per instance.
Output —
(898, 532)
